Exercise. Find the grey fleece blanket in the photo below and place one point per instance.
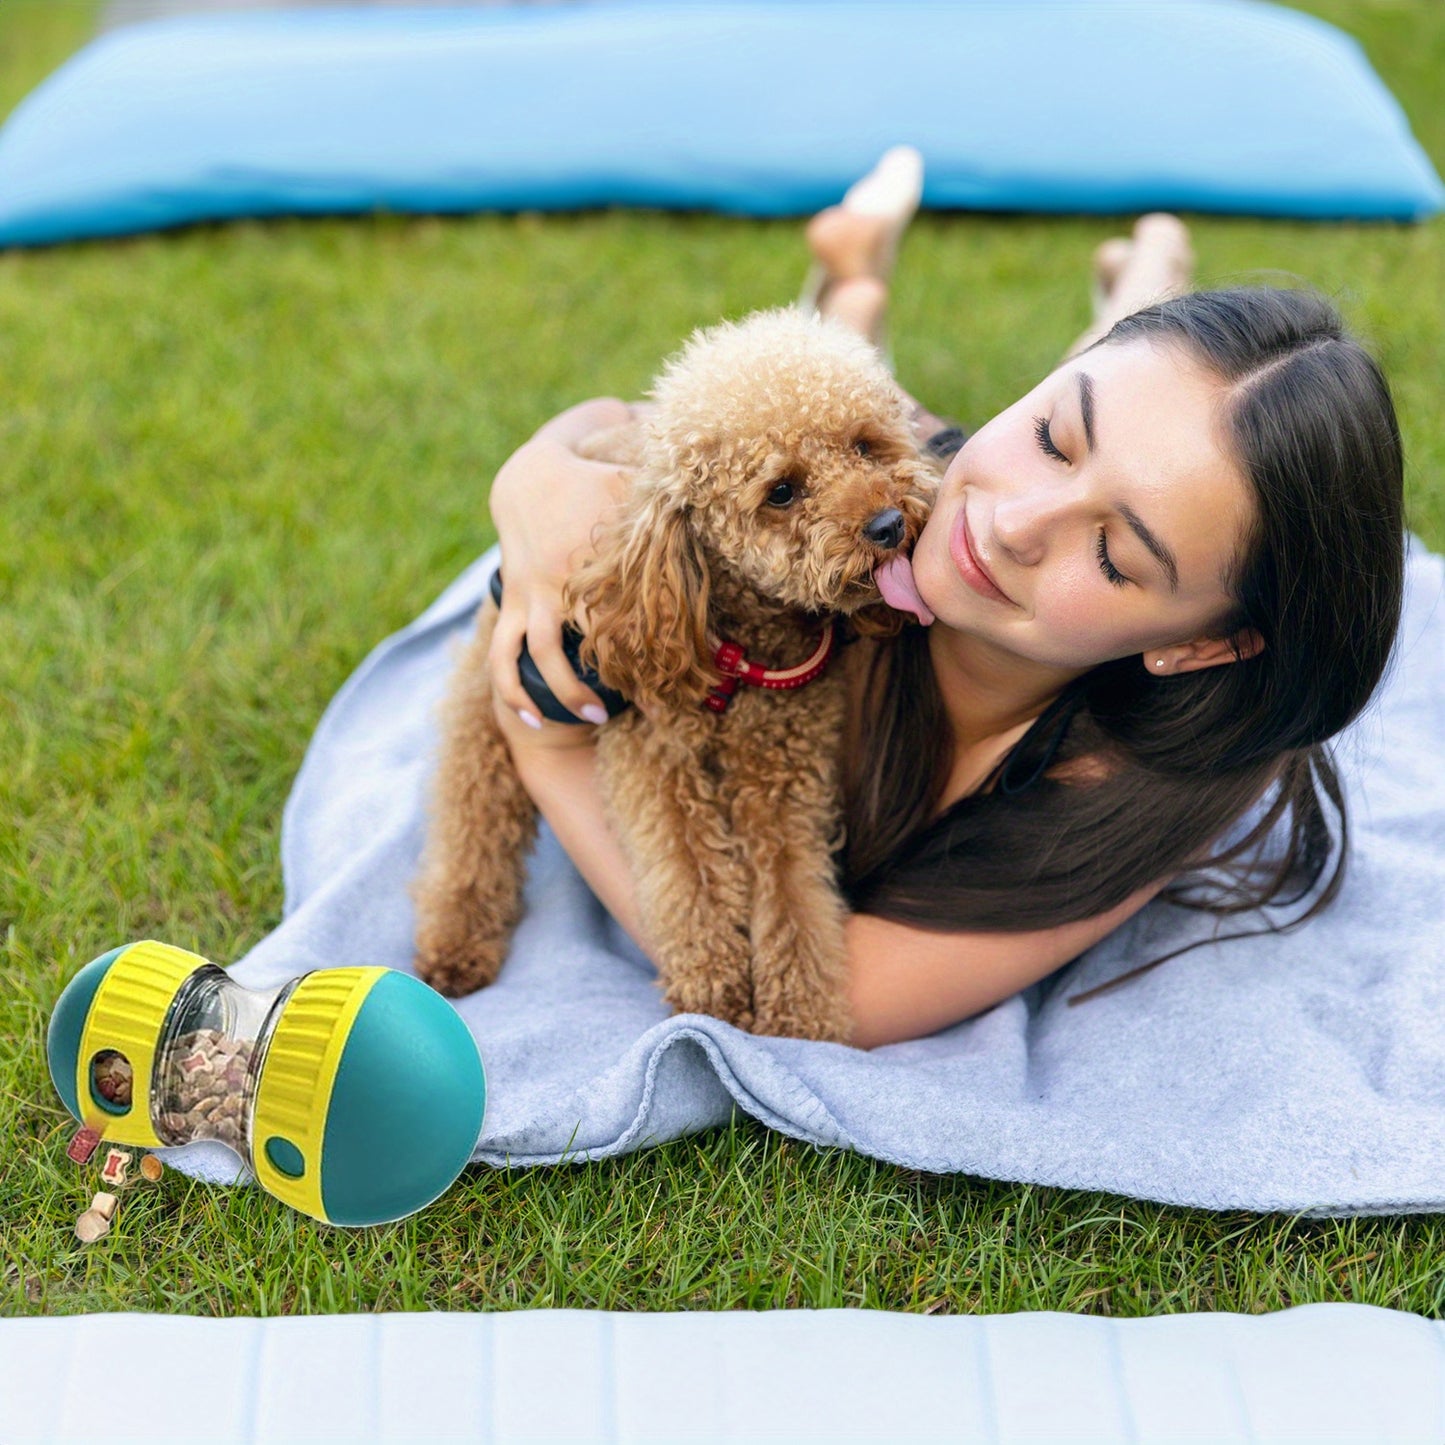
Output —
(1303, 1072)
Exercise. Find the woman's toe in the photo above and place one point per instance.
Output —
(891, 190)
(1165, 238)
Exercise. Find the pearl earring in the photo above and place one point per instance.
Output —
(1158, 662)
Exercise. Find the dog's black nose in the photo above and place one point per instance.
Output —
(885, 529)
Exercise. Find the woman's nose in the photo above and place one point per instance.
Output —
(1022, 523)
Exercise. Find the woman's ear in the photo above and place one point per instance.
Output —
(1207, 652)
(644, 595)
(1249, 642)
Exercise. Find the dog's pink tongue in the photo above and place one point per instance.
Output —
(895, 582)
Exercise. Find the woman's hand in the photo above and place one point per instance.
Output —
(529, 740)
(546, 502)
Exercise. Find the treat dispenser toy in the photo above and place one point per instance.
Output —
(355, 1095)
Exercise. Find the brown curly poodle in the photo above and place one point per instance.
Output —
(777, 470)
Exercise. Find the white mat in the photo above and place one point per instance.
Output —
(1325, 1372)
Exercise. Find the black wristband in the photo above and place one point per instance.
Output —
(535, 684)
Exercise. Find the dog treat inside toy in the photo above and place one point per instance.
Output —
(112, 1077)
(204, 1081)
(206, 1067)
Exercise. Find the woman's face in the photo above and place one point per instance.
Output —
(1052, 497)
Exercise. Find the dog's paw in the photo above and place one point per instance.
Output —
(732, 1003)
(457, 967)
(827, 1022)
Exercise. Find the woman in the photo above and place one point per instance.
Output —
(1153, 588)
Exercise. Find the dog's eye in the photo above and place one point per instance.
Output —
(862, 447)
(782, 495)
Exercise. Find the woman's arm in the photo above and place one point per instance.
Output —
(903, 982)
(907, 982)
(545, 502)
(562, 782)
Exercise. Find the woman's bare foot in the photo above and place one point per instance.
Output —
(1131, 272)
(855, 243)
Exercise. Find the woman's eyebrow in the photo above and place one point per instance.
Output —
(1157, 549)
(1086, 406)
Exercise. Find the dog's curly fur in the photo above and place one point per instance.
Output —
(772, 444)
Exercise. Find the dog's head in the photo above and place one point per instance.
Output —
(779, 457)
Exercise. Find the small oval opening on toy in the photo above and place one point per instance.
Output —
(111, 1081)
(285, 1157)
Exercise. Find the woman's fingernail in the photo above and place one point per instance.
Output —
(531, 719)
(595, 714)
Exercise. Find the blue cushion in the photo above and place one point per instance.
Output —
(762, 109)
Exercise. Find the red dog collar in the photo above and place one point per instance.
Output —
(729, 660)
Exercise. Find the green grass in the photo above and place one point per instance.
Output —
(234, 458)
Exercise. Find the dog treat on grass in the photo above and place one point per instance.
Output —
(91, 1226)
(104, 1205)
(82, 1145)
(151, 1167)
(203, 1081)
(117, 1161)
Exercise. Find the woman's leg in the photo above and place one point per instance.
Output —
(1132, 272)
(855, 245)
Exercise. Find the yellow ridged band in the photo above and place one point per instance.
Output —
(127, 1014)
(293, 1093)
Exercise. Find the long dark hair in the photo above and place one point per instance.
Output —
(1320, 575)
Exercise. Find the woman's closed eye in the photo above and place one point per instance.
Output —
(1046, 440)
(1105, 565)
(1047, 445)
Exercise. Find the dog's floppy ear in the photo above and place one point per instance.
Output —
(645, 596)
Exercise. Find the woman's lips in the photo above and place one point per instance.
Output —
(968, 568)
